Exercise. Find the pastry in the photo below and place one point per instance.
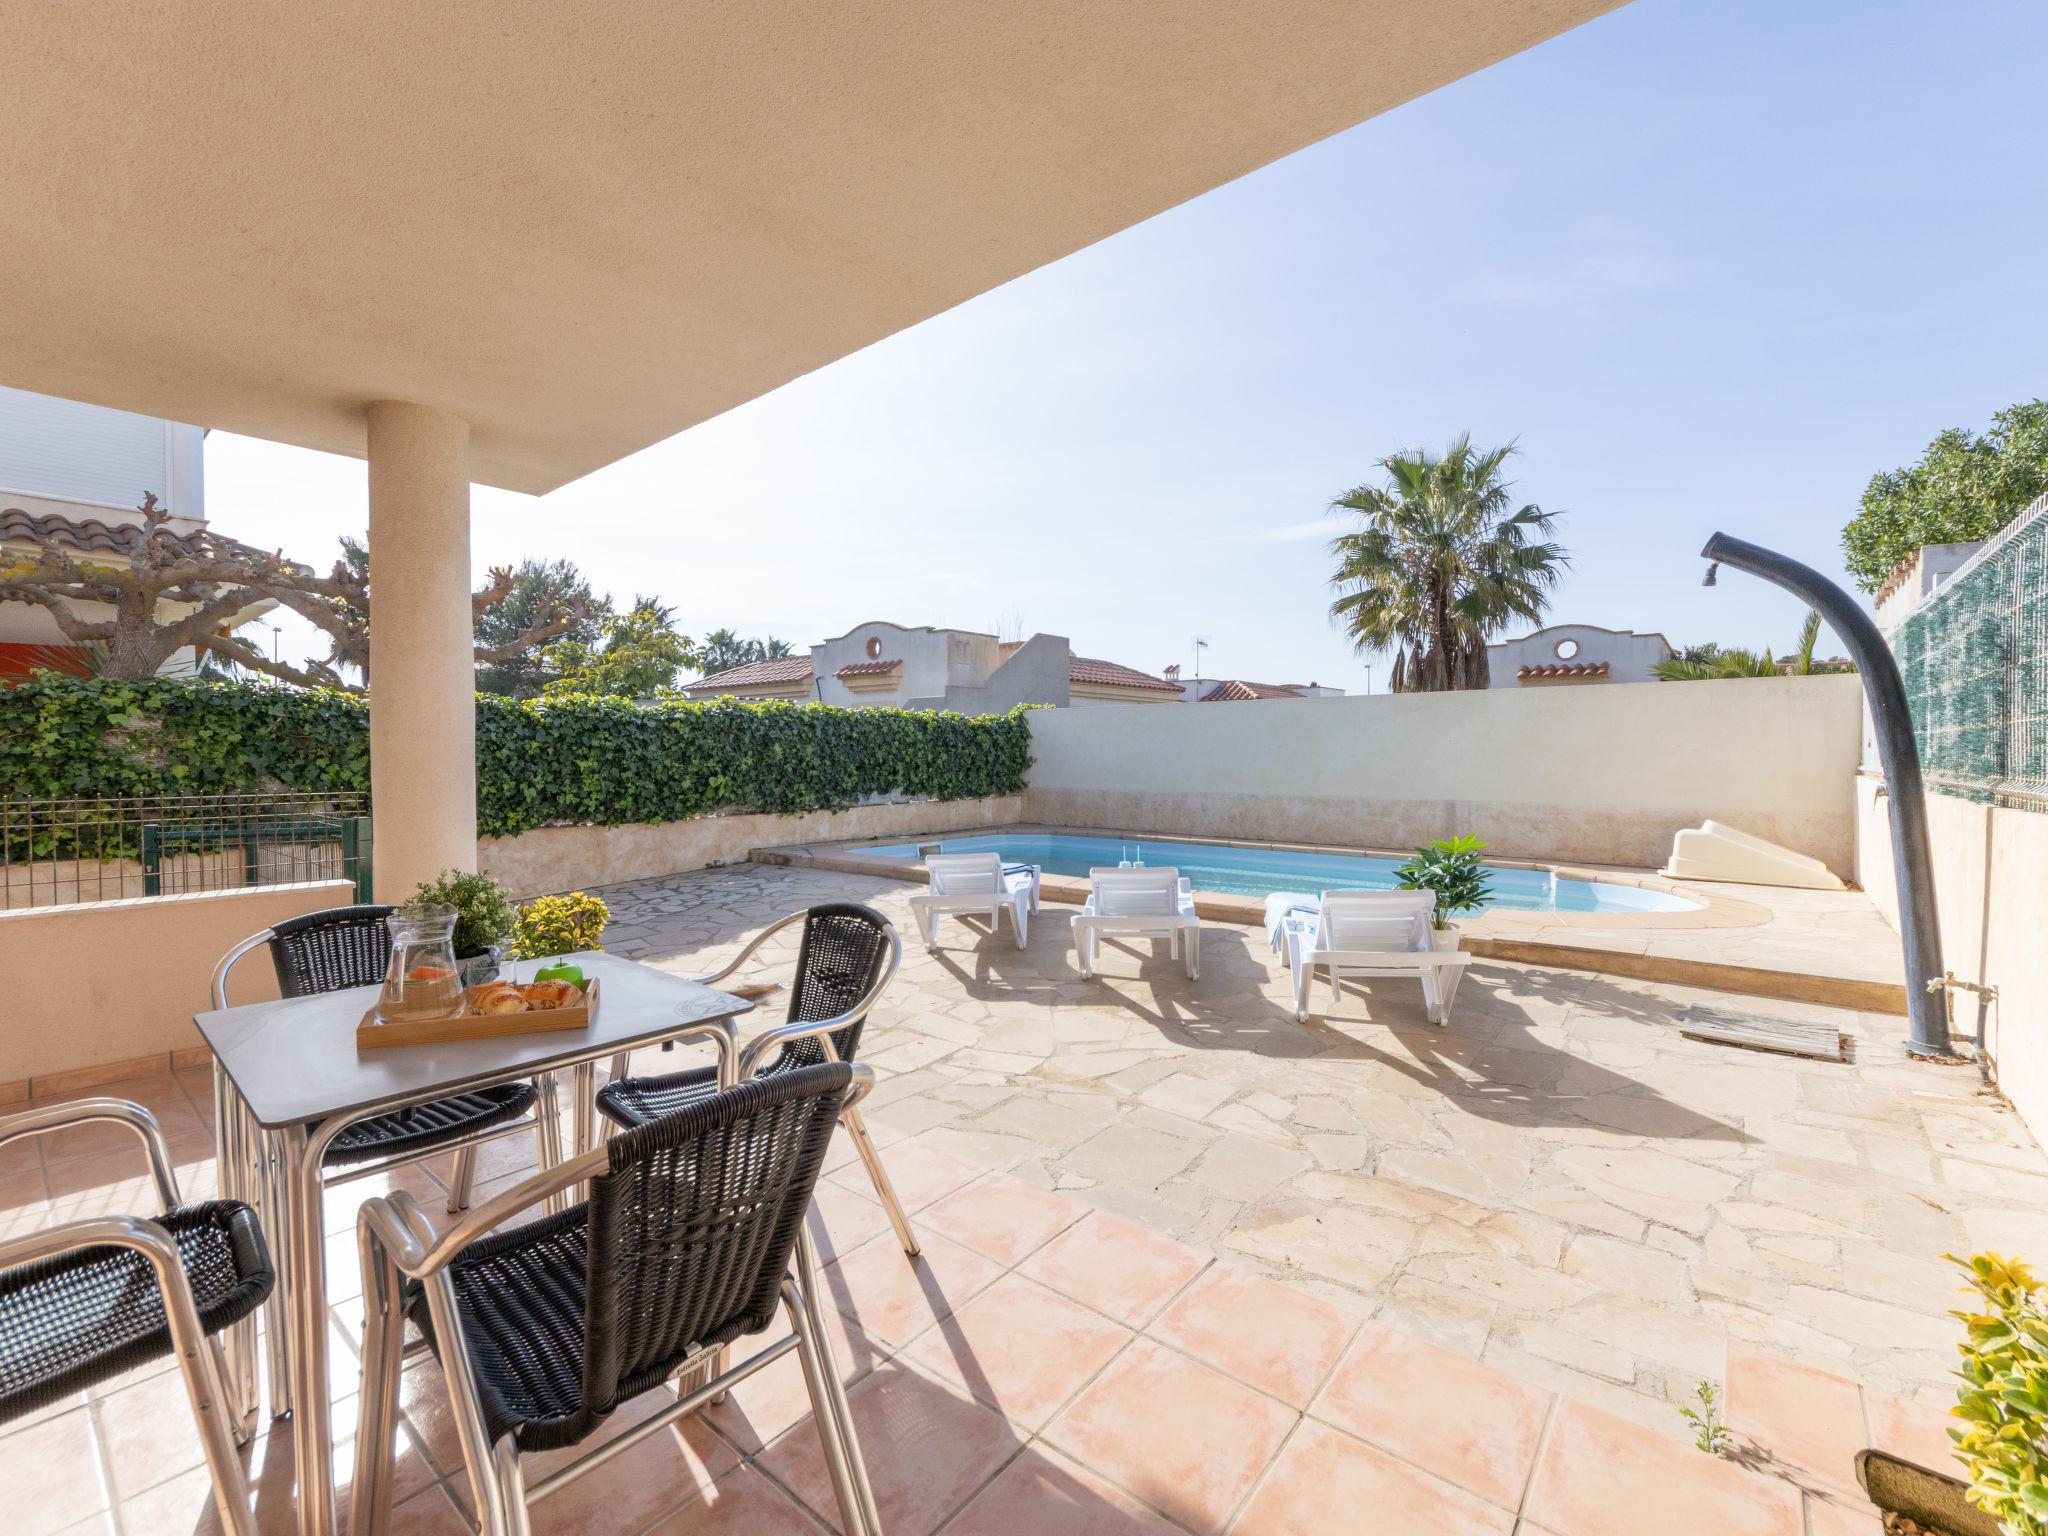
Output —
(498, 999)
(549, 994)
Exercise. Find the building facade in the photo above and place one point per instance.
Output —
(894, 666)
(1573, 655)
(74, 476)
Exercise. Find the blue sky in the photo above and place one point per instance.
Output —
(1711, 262)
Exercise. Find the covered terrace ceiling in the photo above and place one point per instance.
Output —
(585, 228)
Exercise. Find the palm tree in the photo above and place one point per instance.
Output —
(1440, 561)
(1703, 663)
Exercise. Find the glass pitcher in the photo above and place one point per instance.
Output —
(423, 981)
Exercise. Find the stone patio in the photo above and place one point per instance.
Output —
(1191, 1267)
(1558, 1183)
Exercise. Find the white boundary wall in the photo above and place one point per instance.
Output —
(1603, 774)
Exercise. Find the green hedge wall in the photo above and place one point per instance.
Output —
(539, 762)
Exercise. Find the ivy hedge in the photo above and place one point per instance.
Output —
(540, 762)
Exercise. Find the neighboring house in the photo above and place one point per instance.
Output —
(1238, 690)
(1571, 655)
(74, 475)
(892, 666)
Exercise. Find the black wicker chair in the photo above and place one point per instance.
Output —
(343, 947)
(542, 1331)
(82, 1302)
(847, 956)
(350, 947)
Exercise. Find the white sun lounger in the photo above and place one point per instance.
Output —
(975, 882)
(1141, 902)
(1363, 933)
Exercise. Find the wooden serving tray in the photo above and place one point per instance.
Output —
(374, 1033)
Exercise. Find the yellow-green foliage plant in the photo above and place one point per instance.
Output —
(559, 925)
(2004, 1397)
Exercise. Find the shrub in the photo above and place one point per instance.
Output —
(483, 912)
(1965, 486)
(540, 762)
(559, 925)
(1451, 867)
(2004, 1396)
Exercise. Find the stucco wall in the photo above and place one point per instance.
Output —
(1630, 656)
(1991, 888)
(120, 980)
(1602, 775)
(551, 859)
(1037, 672)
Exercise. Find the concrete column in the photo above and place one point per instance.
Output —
(422, 672)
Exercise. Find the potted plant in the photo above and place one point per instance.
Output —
(1453, 868)
(559, 925)
(483, 920)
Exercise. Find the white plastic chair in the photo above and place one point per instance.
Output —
(975, 882)
(1144, 902)
(1364, 933)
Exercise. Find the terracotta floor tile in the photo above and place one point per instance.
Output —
(742, 1503)
(1842, 1514)
(429, 1514)
(1464, 1421)
(1272, 1335)
(1798, 1414)
(148, 1432)
(1002, 1217)
(893, 1297)
(1182, 1437)
(51, 1473)
(1042, 1493)
(919, 1173)
(775, 1397)
(927, 1447)
(668, 1469)
(1116, 1266)
(1324, 1482)
(841, 1220)
(1913, 1431)
(1603, 1476)
(1020, 1348)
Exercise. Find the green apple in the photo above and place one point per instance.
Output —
(572, 974)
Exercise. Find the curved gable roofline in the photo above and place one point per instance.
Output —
(1598, 629)
(904, 629)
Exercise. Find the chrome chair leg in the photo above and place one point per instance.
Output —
(828, 1395)
(871, 1159)
(462, 1181)
(277, 1315)
(208, 1394)
(383, 1358)
(511, 1488)
(547, 1136)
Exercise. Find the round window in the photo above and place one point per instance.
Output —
(874, 647)
(1567, 649)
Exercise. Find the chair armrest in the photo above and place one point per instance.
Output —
(747, 951)
(56, 1117)
(782, 1034)
(400, 1228)
(227, 963)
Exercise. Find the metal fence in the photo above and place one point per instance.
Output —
(106, 848)
(1974, 656)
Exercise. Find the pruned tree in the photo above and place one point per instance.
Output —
(204, 579)
(168, 592)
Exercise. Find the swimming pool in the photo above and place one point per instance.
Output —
(1234, 871)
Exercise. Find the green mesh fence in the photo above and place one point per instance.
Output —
(1975, 659)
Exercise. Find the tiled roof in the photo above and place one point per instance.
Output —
(868, 668)
(1235, 690)
(1568, 669)
(1107, 674)
(755, 674)
(88, 533)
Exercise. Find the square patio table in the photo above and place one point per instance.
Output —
(288, 1079)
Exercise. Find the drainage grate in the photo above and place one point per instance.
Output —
(1791, 1037)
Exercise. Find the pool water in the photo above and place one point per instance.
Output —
(1235, 871)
